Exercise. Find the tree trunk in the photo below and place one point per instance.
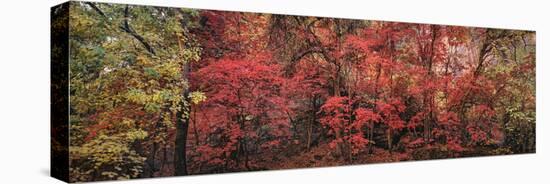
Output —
(182, 126)
(195, 131)
(312, 120)
(309, 131)
(180, 156)
(370, 137)
(389, 137)
(245, 150)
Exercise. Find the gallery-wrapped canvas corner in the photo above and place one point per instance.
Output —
(146, 91)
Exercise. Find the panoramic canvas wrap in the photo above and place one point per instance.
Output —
(145, 91)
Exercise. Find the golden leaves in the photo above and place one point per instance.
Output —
(197, 97)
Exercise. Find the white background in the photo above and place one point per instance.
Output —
(24, 91)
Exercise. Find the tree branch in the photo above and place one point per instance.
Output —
(125, 26)
(94, 7)
(128, 29)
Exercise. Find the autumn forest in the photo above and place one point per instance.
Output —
(158, 91)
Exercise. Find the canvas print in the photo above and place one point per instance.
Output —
(147, 91)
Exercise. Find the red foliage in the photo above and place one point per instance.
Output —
(244, 103)
(412, 84)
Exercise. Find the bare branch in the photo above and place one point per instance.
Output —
(128, 29)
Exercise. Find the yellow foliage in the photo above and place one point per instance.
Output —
(197, 97)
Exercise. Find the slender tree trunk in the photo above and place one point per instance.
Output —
(182, 126)
(376, 97)
(371, 136)
(337, 80)
(238, 154)
(389, 140)
(180, 156)
(309, 131)
(182, 119)
(245, 150)
(195, 131)
(310, 125)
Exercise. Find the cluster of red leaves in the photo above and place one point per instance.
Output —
(244, 103)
